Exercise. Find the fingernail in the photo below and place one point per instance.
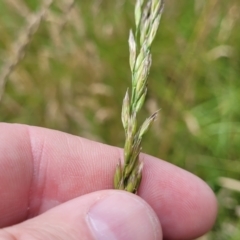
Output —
(123, 216)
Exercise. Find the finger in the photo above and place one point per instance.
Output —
(102, 215)
(42, 168)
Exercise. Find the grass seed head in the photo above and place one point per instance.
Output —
(147, 18)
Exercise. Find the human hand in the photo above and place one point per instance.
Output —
(57, 186)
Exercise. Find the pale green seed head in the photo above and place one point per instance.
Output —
(130, 187)
(132, 124)
(125, 111)
(155, 7)
(138, 12)
(131, 183)
(141, 84)
(143, 74)
(153, 31)
(144, 128)
(135, 179)
(146, 12)
(144, 31)
(134, 160)
(141, 101)
(141, 57)
(139, 175)
(128, 147)
(132, 50)
(147, 17)
(118, 175)
(121, 185)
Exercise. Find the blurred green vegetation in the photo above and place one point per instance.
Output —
(75, 72)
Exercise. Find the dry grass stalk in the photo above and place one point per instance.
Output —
(22, 43)
(147, 18)
(67, 9)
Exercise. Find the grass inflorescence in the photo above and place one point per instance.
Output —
(147, 19)
(22, 43)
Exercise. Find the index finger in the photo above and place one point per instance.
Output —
(41, 168)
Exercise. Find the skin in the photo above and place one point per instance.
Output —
(52, 183)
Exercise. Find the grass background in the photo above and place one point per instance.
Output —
(75, 72)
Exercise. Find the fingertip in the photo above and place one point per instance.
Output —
(108, 214)
(122, 215)
(186, 206)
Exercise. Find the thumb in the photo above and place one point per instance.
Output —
(108, 214)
